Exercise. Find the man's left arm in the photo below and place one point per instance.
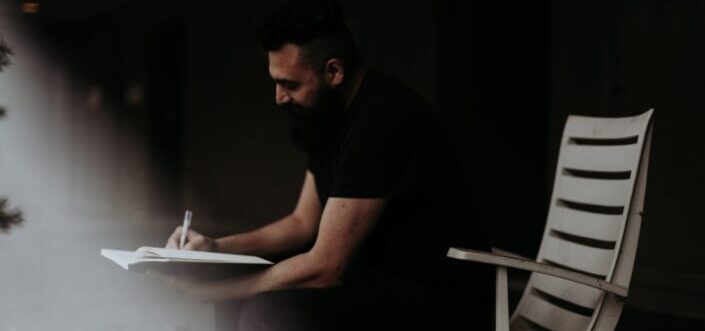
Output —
(345, 224)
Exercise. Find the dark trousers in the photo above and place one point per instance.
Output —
(378, 301)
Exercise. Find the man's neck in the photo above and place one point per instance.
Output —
(350, 91)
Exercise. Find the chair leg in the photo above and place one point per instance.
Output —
(501, 300)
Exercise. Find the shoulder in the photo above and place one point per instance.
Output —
(381, 90)
(385, 105)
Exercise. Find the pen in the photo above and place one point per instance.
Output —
(184, 229)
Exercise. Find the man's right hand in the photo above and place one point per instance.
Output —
(195, 241)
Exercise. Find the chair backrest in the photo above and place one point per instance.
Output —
(593, 223)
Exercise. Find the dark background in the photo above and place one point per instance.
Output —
(503, 75)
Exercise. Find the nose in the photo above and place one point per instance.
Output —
(281, 97)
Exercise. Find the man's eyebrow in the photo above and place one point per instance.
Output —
(284, 81)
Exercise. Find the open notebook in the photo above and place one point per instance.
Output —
(144, 256)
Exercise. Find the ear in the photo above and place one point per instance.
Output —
(334, 72)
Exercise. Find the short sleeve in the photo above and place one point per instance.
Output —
(376, 159)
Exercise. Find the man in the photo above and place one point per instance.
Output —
(380, 204)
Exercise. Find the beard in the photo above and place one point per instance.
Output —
(313, 128)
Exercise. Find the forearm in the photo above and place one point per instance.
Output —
(285, 235)
(300, 271)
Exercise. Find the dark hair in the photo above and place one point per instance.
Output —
(315, 25)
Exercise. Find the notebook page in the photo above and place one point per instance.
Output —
(183, 255)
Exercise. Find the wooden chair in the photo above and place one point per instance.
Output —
(582, 272)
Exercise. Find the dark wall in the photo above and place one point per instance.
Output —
(493, 93)
(239, 167)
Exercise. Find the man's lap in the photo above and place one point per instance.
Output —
(378, 300)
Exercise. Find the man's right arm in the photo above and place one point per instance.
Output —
(288, 234)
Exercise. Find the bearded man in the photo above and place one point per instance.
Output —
(382, 199)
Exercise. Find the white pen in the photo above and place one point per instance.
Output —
(184, 229)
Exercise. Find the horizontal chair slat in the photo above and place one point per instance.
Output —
(551, 316)
(601, 192)
(587, 259)
(585, 224)
(578, 294)
(603, 127)
(600, 158)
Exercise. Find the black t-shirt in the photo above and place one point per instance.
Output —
(390, 145)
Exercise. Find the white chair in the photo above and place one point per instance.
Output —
(582, 272)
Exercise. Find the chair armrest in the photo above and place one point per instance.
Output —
(499, 251)
(529, 265)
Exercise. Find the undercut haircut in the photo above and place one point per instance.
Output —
(317, 26)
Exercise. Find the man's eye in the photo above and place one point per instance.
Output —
(291, 86)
